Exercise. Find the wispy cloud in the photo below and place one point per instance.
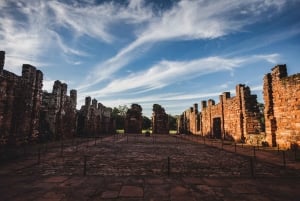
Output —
(185, 21)
(169, 72)
(30, 29)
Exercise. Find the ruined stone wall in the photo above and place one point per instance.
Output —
(160, 120)
(58, 113)
(94, 119)
(233, 118)
(189, 121)
(20, 103)
(134, 119)
(282, 107)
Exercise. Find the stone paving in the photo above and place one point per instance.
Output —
(136, 167)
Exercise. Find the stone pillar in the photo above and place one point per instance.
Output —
(2, 60)
(73, 96)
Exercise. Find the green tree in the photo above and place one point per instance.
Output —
(119, 114)
(261, 108)
(146, 123)
(172, 122)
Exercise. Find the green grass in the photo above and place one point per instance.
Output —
(172, 132)
(121, 131)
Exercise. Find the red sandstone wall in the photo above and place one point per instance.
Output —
(233, 118)
(282, 107)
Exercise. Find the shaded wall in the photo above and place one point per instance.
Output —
(94, 119)
(20, 101)
(160, 120)
(58, 113)
(134, 119)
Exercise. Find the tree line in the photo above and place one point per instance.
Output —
(119, 114)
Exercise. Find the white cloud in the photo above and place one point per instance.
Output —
(185, 21)
(31, 29)
(169, 72)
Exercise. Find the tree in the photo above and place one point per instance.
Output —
(172, 122)
(122, 110)
(146, 123)
(119, 115)
(261, 108)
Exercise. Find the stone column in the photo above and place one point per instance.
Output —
(2, 60)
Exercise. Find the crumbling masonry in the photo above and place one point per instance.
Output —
(234, 118)
(27, 114)
(95, 119)
(134, 119)
(20, 100)
(58, 113)
(160, 120)
(282, 107)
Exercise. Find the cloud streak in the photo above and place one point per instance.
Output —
(31, 29)
(169, 72)
(186, 20)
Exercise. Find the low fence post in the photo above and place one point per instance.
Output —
(39, 156)
(283, 159)
(169, 168)
(61, 148)
(252, 167)
(84, 165)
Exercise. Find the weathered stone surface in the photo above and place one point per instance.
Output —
(110, 194)
(95, 119)
(160, 120)
(282, 101)
(134, 119)
(131, 191)
(20, 100)
(58, 113)
(233, 118)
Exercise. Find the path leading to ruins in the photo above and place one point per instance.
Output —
(135, 167)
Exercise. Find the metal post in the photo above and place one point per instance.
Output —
(76, 146)
(39, 155)
(251, 167)
(84, 165)
(169, 166)
(283, 158)
(61, 148)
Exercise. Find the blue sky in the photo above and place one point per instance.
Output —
(174, 53)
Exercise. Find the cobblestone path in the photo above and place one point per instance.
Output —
(136, 167)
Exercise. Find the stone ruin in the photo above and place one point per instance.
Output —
(239, 117)
(235, 118)
(94, 119)
(134, 119)
(58, 113)
(27, 114)
(160, 120)
(20, 101)
(282, 107)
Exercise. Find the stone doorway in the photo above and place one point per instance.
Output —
(217, 133)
